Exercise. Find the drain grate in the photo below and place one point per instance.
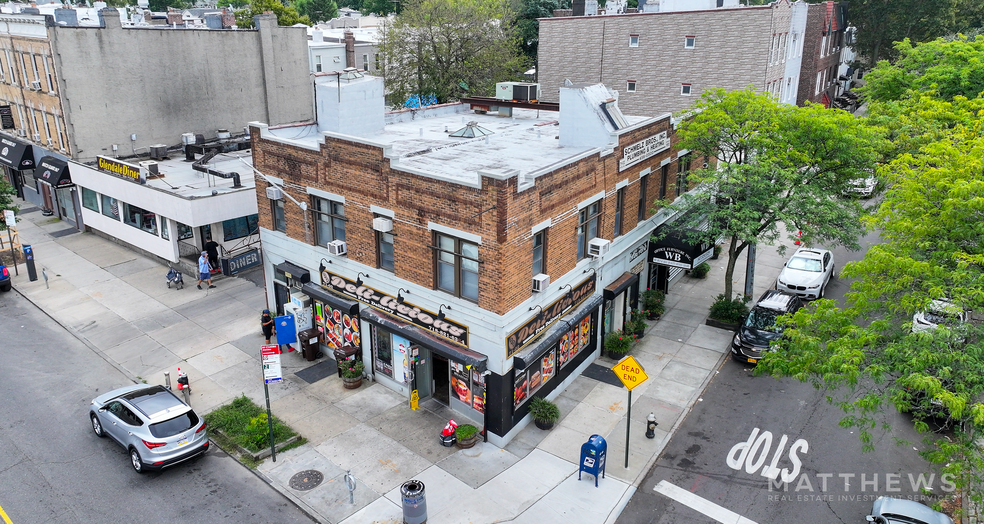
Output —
(307, 479)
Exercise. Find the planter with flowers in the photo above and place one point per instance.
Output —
(352, 373)
(617, 344)
(653, 303)
(636, 325)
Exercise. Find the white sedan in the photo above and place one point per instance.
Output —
(807, 273)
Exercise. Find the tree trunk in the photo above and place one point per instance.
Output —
(734, 249)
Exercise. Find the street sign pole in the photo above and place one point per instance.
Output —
(270, 364)
(631, 373)
(273, 447)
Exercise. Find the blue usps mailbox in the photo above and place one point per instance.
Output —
(593, 457)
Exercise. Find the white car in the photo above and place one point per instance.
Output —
(861, 187)
(807, 273)
(939, 312)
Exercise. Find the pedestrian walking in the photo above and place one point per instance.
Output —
(212, 248)
(204, 274)
(266, 322)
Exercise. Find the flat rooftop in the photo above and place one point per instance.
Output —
(181, 180)
(524, 144)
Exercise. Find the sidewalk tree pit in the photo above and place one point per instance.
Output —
(242, 423)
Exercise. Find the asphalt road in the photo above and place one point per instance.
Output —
(746, 430)
(54, 470)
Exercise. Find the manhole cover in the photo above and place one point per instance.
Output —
(307, 479)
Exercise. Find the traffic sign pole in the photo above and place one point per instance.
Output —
(631, 373)
(628, 420)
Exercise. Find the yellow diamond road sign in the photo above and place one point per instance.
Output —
(630, 372)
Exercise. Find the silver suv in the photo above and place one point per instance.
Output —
(156, 428)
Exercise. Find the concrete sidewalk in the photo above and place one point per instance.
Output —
(117, 302)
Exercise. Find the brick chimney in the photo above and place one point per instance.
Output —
(349, 49)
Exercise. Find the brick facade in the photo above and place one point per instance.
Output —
(822, 45)
(731, 51)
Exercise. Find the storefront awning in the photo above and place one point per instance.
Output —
(615, 288)
(295, 272)
(534, 351)
(16, 154)
(678, 249)
(350, 307)
(53, 171)
(419, 336)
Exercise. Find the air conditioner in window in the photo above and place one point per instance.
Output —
(382, 224)
(36, 85)
(540, 282)
(51, 142)
(337, 247)
(598, 247)
(21, 132)
(274, 193)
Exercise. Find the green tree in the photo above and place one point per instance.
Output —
(161, 6)
(880, 23)
(317, 10)
(7, 193)
(777, 165)
(437, 47)
(528, 25)
(286, 16)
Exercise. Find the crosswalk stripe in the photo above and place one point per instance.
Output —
(699, 504)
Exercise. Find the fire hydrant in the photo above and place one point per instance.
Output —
(183, 386)
(651, 425)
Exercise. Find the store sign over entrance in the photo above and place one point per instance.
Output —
(674, 251)
(528, 332)
(422, 318)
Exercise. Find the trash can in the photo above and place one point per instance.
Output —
(309, 343)
(344, 353)
(593, 454)
(414, 502)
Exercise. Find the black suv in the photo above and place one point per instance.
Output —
(759, 328)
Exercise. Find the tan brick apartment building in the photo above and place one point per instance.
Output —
(661, 62)
(475, 273)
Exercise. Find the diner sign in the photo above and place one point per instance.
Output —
(428, 320)
(528, 332)
(122, 169)
(643, 149)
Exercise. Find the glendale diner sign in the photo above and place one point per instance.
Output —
(643, 149)
(428, 320)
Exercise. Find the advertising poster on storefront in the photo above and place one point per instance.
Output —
(337, 328)
(547, 366)
(520, 391)
(459, 382)
(478, 391)
(401, 359)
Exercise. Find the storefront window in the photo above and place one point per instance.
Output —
(528, 381)
(337, 327)
(468, 386)
(110, 207)
(240, 227)
(90, 199)
(164, 233)
(27, 179)
(139, 218)
(185, 231)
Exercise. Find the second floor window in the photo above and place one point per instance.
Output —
(279, 219)
(633, 40)
(619, 205)
(664, 177)
(330, 218)
(540, 252)
(588, 220)
(457, 266)
(683, 165)
(384, 251)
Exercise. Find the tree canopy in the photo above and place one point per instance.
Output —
(880, 23)
(450, 48)
(932, 250)
(527, 25)
(777, 164)
(317, 10)
(286, 16)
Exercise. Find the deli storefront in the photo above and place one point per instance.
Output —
(548, 349)
(420, 353)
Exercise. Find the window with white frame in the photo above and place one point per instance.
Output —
(457, 266)
(588, 227)
(633, 40)
(630, 86)
(816, 90)
(330, 219)
(689, 42)
(685, 89)
(317, 63)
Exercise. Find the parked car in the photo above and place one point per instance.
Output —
(807, 273)
(156, 428)
(939, 313)
(759, 328)
(861, 187)
(887, 510)
(4, 278)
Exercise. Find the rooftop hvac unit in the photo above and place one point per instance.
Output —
(152, 167)
(540, 283)
(598, 247)
(517, 91)
(274, 193)
(382, 224)
(337, 247)
(158, 151)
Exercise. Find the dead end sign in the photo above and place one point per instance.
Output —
(630, 372)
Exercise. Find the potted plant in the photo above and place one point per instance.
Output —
(617, 344)
(352, 373)
(653, 303)
(467, 436)
(636, 325)
(544, 412)
(728, 313)
(717, 251)
(701, 270)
